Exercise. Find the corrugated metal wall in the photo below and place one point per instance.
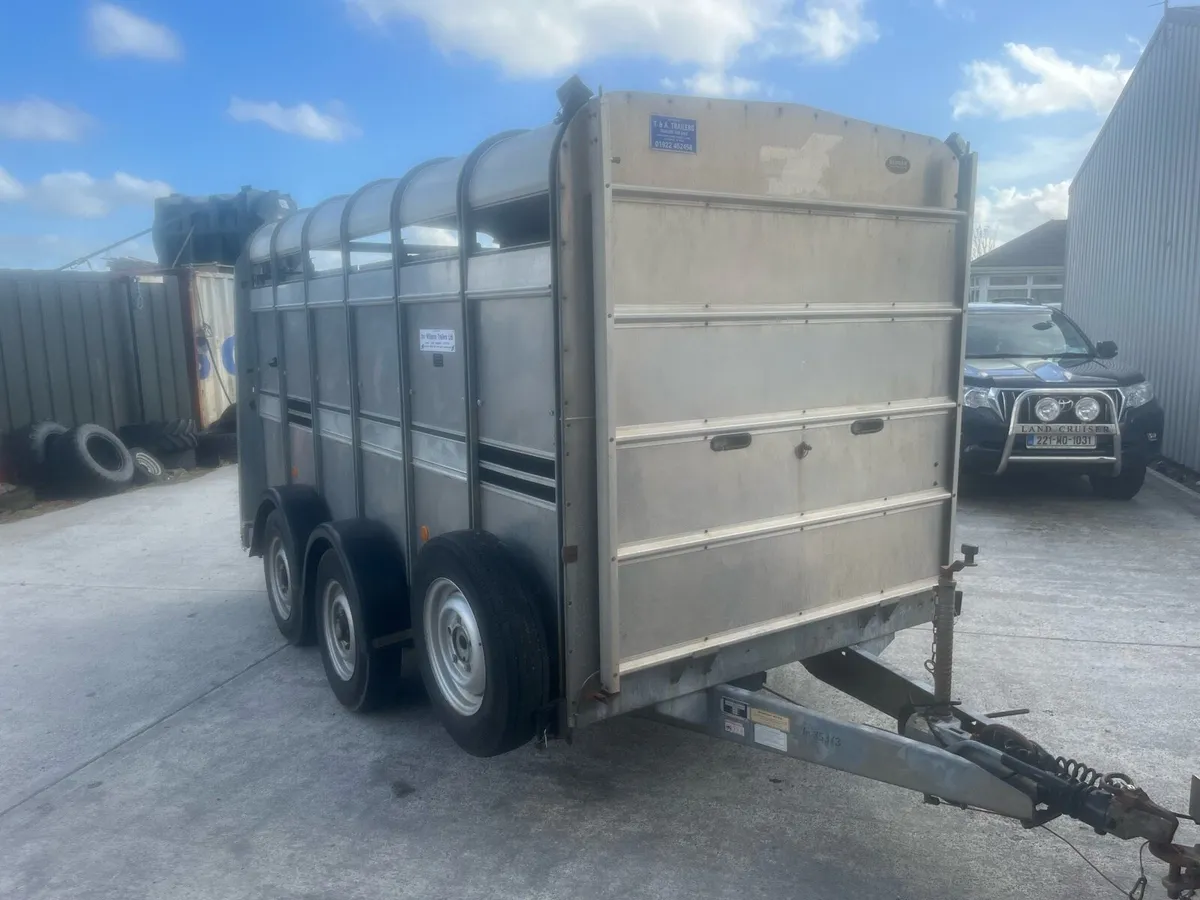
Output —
(92, 347)
(1133, 243)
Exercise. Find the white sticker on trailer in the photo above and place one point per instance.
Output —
(437, 340)
(770, 737)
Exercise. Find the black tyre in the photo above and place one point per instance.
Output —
(213, 448)
(1123, 487)
(27, 449)
(175, 436)
(90, 460)
(226, 423)
(481, 645)
(282, 568)
(361, 676)
(147, 468)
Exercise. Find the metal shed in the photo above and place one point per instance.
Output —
(1133, 244)
(81, 347)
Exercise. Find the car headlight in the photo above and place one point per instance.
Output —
(982, 398)
(1138, 395)
(1047, 409)
(1087, 409)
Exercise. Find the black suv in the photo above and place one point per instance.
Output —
(1038, 394)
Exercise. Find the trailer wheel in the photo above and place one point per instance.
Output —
(1123, 487)
(359, 673)
(481, 644)
(281, 568)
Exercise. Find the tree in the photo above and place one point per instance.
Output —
(983, 240)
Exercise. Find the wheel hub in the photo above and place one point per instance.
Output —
(281, 578)
(340, 639)
(455, 647)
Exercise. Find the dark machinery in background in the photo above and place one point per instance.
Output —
(201, 230)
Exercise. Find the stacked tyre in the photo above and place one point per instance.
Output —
(88, 460)
(173, 442)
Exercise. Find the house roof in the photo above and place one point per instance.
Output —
(1045, 245)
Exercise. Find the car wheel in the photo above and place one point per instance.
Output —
(481, 644)
(1121, 487)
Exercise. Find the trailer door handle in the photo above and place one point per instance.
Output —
(722, 442)
(867, 426)
(273, 362)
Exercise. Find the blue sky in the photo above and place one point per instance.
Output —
(104, 106)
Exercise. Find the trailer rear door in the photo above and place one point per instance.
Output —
(779, 301)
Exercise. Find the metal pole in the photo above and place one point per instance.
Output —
(84, 259)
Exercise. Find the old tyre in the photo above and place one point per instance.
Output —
(481, 645)
(175, 436)
(41, 436)
(1123, 487)
(147, 468)
(281, 568)
(226, 423)
(27, 450)
(90, 460)
(360, 675)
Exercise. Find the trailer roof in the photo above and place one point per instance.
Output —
(507, 167)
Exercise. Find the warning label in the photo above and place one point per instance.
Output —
(770, 737)
(734, 708)
(762, 717)
(734, 726)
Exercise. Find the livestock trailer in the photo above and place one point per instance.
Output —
(570, 416)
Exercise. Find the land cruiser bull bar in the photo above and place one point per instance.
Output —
(1018, 429)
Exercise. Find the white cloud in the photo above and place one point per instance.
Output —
(715, 83)
(115, 31)
(549, 37)
(303, 119)
(79, 195)
(832, 29)
(1009, 212)
(1039, 157)
(1057, 85)
(35, 119)
(10, 188)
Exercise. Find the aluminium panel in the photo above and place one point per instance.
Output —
(515, 370)
(333, 368)
(436, 366)
(759, 264)
(378, 361)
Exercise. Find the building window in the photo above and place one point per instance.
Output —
(1048, 295)
(1036, 288)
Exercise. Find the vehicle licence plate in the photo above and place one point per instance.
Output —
(1061, 441)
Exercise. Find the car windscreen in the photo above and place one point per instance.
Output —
(1023, 333)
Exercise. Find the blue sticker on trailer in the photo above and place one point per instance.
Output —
(673, 135)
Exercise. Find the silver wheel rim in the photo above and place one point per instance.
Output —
(455, 647)
(281, 578)
(340, 638)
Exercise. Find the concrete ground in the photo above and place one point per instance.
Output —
(157, 740)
